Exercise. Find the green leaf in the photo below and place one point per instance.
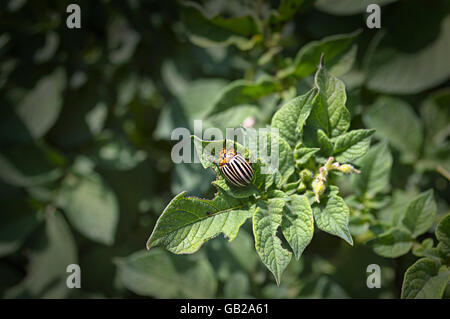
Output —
(46, 271)
(122, 40)
(267, 219)
(308, 56)
(291, 117)
(395, 121)
(303, 154)
(17, 221)
(116, 152)
(96, 118)
(231, 257)
(275, 154)
(332, 216)
(426, 249)
(329, 113)
(323, 287)
(358, 224)
(375, 169)
(206, 31)
(17, 169)
(352, 145)
(243, 92)
(237, 286)
(91, 207)
(243, 251)
(286, 10)
(232, 117)
(171, 117)
(298, 224)
(188, 222)
(399, 202)
(318, 119)
(426, 279)
(191, 176)
(347, 7)
(12, 129)
(420, 214)
(197, 100)
(436, 117)
(326, 146)
(174, 78)
(238, 192)
(332, 98)
(443, 233)
(162, 275)
(82, 116)
(392, 244)
(40, 107)
(398, 61)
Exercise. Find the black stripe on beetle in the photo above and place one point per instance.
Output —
(235, 168)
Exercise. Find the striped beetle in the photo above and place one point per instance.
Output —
(235, 168)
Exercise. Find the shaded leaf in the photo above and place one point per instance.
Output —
(40, 107)
(395, 121)
(161, 275)
(375, 169)
(426, 279)
(17, 221)
(347, 7)
(243, 92)
(46, 275)
(197, 100)
(208, 31)
(398, 62)
(237, 286)
(91, 207)
(443, 233)
(420, 214)
(308, 56)
(17, 169)
(392, 244)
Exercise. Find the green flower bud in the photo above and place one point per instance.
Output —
(328, 164)
(318, 188)
(301, 188)
(347, 168)
(306, 175)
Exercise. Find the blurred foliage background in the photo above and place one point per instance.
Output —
(85, 136)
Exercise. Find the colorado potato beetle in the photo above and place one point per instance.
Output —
(235, 168)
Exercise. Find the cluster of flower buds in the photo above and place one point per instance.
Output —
(319, 181)
(305, 177)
